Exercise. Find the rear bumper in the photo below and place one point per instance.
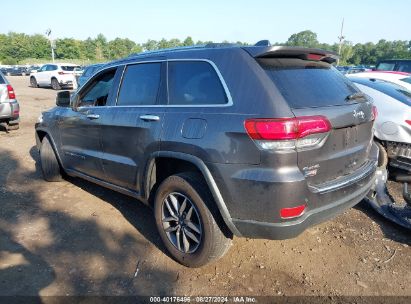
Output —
(286, 230)
(9, 111)
(255, 197)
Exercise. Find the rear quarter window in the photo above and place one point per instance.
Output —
(306, 84)
(194, 83)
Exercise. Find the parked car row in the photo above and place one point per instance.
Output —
(56, 75)
(296, 146)
(17, 70)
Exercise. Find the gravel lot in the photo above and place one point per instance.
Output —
(76, 238)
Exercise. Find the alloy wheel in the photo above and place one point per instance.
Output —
(181, 222)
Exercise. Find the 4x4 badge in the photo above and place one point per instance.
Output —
(358, 114)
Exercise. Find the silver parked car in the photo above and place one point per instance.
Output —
(393, 123)
(9, 107)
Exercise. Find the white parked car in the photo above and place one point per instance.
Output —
(393, 122)
(56, 75)
(399, 78)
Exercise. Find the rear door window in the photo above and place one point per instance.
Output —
(194, 83)
(140, 85)
(306, 84)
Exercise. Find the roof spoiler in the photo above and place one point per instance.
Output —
(292, 52)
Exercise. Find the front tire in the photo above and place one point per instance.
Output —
(55, 84)
(33, 82)
(50, 166)
(188, 221)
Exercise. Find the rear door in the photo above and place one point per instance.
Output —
(41, 75)
(313, 88)
(132, 127)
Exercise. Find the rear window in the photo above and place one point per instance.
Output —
(194, 83)
(69, 68)
(388, 88)
(306, 84)
(2, 80)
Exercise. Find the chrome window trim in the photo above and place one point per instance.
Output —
(220, 76)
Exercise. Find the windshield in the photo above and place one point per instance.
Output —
(306, 84)
(386, 66)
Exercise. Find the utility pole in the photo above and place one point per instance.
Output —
(341, 39)
(52, 43)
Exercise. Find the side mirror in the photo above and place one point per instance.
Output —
(63, 99)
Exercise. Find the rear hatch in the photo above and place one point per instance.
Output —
(312, 87)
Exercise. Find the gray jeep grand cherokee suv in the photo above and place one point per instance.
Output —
(258, 142)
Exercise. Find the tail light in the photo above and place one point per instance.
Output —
(287, 213)
(288, 133)
(408, 122)
(374, 113)
(10, 92)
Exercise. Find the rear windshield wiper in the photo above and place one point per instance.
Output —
(355, 96)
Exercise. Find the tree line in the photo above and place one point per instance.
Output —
(19, 47)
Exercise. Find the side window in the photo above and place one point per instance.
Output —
(51, 67)
(97, 93)
(140, 85)
(194, 83)
(43, 68)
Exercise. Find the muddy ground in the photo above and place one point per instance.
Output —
(76, 238)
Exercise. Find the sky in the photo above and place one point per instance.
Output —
(212, 20)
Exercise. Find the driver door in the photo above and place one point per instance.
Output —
(80, 128)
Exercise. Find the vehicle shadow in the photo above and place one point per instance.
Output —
(49, 247)
(21, 271)
(139, 215)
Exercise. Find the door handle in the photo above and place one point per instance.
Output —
(93, 116)
(150, 117)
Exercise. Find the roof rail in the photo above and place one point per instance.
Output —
(222, 44)
(160, 51)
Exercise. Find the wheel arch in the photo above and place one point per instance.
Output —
(40, 134)
(189, 163)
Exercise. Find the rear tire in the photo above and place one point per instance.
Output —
(33, 82)
(382, 155)
(50, 166)
(209, 242)
(13, 127)
(55, 84)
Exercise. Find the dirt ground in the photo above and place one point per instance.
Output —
(76, 238)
